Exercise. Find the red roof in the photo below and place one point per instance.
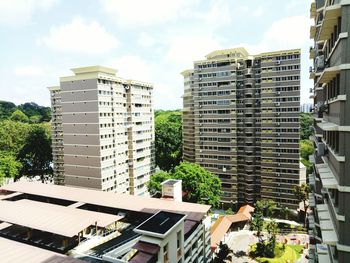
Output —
(223, 224)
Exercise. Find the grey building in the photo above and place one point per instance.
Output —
(241, 122)
(102, 131)
(329, 217)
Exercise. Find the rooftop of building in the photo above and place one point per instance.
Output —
(160, 224)
(99, 72)
(91, 223)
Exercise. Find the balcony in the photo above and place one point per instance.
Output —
(329, 73)
(312, 32)
(327, 177)
(313, 10)
(329, 235)
(330, 20)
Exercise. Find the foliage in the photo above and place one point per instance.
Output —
(272, 230)
(288, 254)
(18, 115)
(301, 192)
(168, 139)
(6, 109)
(257, 224)
(9, 166)
(306, 149)
(13, 136)
(32, 109)
(265, 207)
(154, 184)
(33, 112)
(306, 126)
(36, 154)
(200, 185)
(224, 254)
(229, 211)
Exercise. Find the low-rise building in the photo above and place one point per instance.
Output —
(99, 226)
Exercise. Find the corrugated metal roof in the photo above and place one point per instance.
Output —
(60, 220)
(120, 201)
(16, 252)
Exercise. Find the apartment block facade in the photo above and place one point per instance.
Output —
(241, 122)
(103, 131)
(329, 222)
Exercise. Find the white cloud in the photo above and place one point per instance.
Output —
(133, 67)
(81, 37)
(145, 13)
(19, 12)
(28, 71)
(184, 49)
(146, 40)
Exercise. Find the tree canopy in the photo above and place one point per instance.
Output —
(306, 126)
(168, 139)
(18, 115)
(36, 154)
(198, 184)
(9, 166)
(34, 112)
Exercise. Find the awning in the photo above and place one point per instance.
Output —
(327, 177)
(327, 126)
(329, 236)
(322, 253)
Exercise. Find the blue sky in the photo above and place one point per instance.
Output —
(151, 40)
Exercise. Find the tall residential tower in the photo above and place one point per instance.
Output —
(102, 131)
(241, 122)
(329, 221)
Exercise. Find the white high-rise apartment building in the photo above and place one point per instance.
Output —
(102, 131)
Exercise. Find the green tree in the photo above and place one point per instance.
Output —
(224, 254)
(34, 119)
(168, 139)
(9, 166)
(18, 115)
(306, 126)
(301, 192)
(13, 136)
(33, 109)
(6, 109)
(154, 184)
(306, 149)
(265, 207)
(257, 224)
(36, 154)
(272, 230)
(200, 185)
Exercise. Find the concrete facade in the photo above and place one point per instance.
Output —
(241, 122)
(329, 217)
(103, 131)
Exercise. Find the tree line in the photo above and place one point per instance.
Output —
(25, 141)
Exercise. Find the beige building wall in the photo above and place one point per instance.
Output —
(107, 129)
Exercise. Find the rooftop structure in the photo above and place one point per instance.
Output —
(101, 226)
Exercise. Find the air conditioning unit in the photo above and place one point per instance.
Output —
(278, 134)
(278, 124)
(278, 114)
(278, 175)
(200, 79)
(200, 106)
(278, 104)
(278, 62)
(279, 164)
(200, 88)
(278, 93)
(200, 115)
